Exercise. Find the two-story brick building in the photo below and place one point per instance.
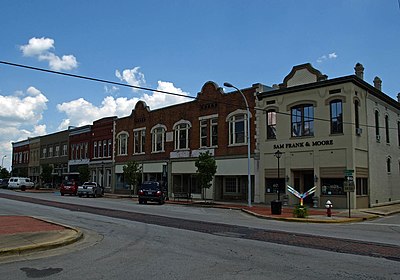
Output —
(326, 130)
(167, 141)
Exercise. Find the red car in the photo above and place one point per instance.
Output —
(69, 187)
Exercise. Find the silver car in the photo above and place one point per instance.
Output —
(90, 189)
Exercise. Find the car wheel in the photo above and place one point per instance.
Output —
(87, 195)
(62, 194)
(80, 195)
(94, 195)
(140, 201)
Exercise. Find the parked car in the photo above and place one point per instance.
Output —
(151, 191)
(90, 189)
(4, 183)
(69, 187)
(22, 183)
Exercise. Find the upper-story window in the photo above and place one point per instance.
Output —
(387, 129)
(271, 124)
(122, 143)
(99, 147)
(182, 135)
(86, 150)
(95, 149)
(65, 150)
(357, 113)
(388, 165)
(336, 116)
(57, 154)
(398, 132)
(158, 138)
(303, 120)
(139, 141)
(377, 125)
(105, 148)
(237, 128)
(109, 148)
(50, 152)
(44, 153)
(209, 132)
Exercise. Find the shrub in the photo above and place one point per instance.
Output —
(300, 211)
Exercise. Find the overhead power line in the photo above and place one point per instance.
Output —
(162, 91)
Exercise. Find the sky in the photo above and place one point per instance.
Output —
(175, 46)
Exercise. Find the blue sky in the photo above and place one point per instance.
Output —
(175, 46)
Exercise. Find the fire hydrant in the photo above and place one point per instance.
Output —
(328, 206)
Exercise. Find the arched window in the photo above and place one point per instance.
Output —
(122, 143)
(181, 135)
(388, 165)
(377, 125)
(158, 138)
(336, 116)
(303, 120)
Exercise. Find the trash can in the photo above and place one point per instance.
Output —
(276, 207)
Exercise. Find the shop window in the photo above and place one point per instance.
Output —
(302, 120)
(336, 116)
(333, 186)
(271, 185)
(231, 185)
(362, 186)
(271, 124)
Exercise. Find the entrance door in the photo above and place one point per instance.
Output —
(303, 181)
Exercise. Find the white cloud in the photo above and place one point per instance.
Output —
(19, 118)
(81, 112)
(37, 46)
(132, 77)
(111, 90)
(326, 57)
(159, 100)
(40, 48)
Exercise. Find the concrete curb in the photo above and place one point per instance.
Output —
(312, 220)
(73, 235)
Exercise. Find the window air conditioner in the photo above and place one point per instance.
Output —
(358, 131)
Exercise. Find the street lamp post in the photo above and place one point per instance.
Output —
(278, 155)
(248, 142)
(2, 161)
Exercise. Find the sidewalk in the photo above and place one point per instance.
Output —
(22, 234)
(315, 215)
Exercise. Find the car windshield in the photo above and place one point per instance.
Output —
(68, 183)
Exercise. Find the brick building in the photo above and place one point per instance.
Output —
(167, 141)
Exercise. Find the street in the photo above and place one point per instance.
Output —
(122, 248)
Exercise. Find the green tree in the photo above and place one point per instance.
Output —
(46, 173)
(132, 174)
(84, 173)
(4, 173)
(206, 169)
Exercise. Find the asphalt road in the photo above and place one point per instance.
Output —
(120, 248)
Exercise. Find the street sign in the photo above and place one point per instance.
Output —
(348, 187)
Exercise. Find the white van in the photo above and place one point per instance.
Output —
(22, 183)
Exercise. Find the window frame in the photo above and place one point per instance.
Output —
(139, 140)
(123, 143)
(181, 135)
(271, 123)
(235, 120)
(336, 116)
(158, 138)
(302, 120)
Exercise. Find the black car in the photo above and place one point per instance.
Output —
(151, 191)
